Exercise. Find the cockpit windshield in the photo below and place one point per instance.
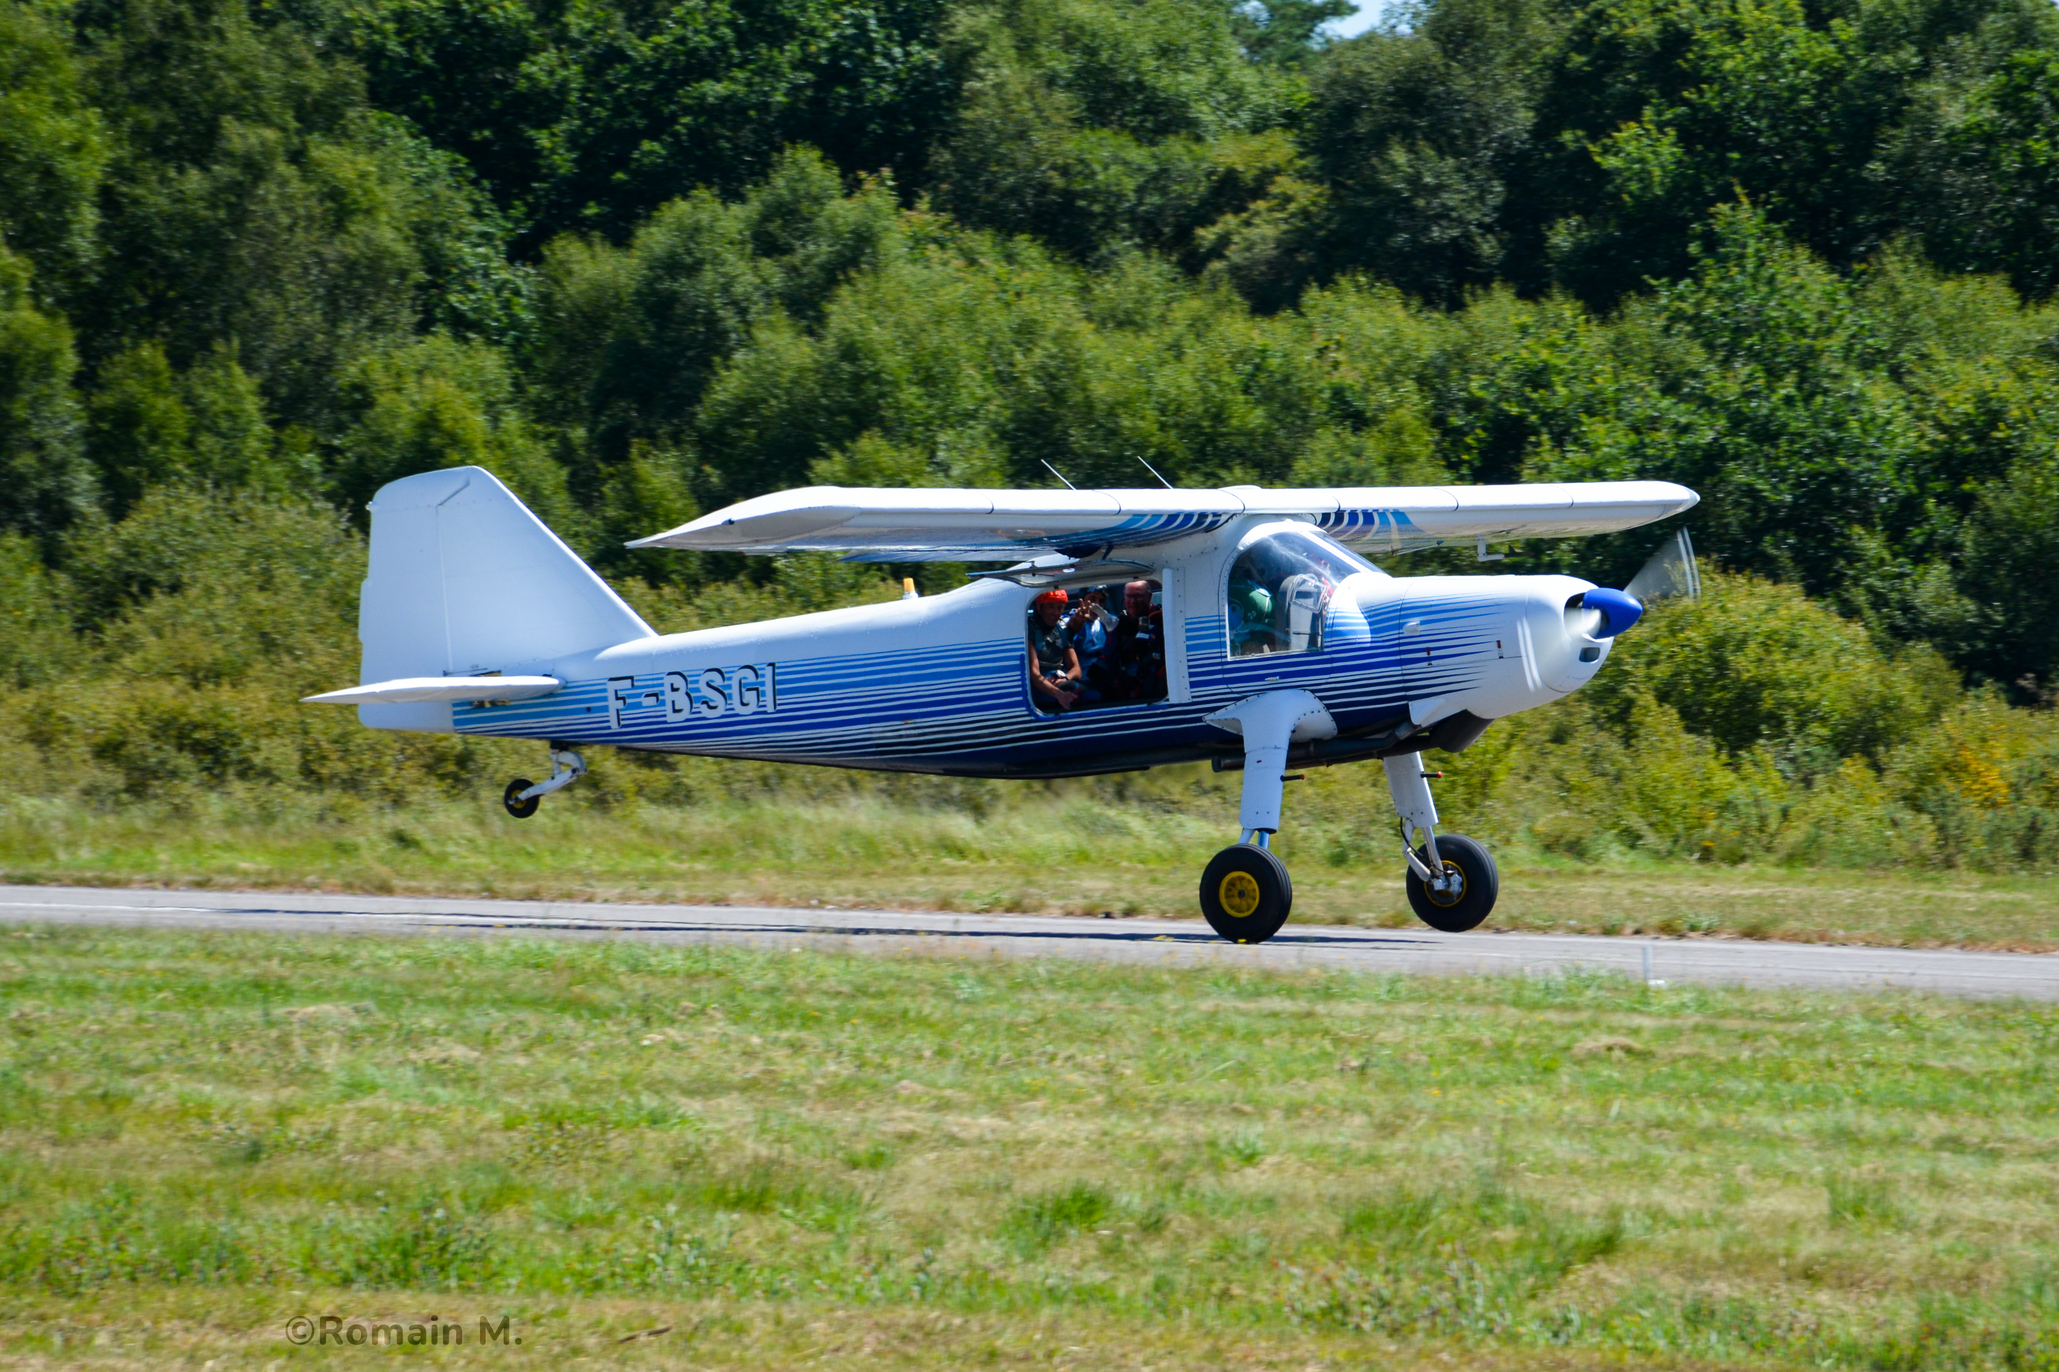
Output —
(1280, 588)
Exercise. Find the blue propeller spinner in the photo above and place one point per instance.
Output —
(1618, 609)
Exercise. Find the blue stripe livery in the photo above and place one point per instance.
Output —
(965, 709)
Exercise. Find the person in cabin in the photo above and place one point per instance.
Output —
(1090, 629)
(1140, 645)
(1054, 666)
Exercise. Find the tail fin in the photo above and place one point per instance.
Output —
(465, 580)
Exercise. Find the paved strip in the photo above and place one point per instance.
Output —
(1173, 942)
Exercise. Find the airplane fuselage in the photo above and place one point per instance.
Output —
(941, 684)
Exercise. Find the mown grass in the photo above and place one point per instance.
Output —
(792, 1157)
(1045, 850)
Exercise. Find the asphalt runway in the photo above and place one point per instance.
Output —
(2031, 976)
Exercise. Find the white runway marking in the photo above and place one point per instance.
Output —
(1174, 942)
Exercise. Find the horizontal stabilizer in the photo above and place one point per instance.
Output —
(410, 690)
(918, 524)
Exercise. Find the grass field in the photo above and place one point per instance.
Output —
(1073, 853)
(789, 1158)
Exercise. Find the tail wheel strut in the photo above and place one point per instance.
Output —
(523, 795)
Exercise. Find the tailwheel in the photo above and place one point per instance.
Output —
(1472, 887)
(519, 808)
(1245, 894)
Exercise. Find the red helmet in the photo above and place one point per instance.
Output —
(1055, 596)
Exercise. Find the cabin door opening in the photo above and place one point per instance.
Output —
(1102, 647)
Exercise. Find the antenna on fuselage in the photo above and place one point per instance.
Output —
(1154, 471)
(1060, 475)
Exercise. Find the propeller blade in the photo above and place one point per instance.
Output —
(1670, 573)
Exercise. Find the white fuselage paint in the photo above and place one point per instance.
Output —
(939, 683)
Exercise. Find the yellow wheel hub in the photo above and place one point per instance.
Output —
(1239, 895)
(1454, 892)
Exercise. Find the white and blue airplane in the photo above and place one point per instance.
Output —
(1245, 627)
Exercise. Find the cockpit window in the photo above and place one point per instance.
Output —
(1280, 587)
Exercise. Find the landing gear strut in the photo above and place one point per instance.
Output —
(523, 795)
(1245, 892)
(1451, 881)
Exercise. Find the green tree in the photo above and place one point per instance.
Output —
(1757, 665)
(150, 427)
(1286, 32)
(588, 118)
(440, 402)
(45, 482)
(1981, 167)
(2010, 546)
(1098, 127)
(254, 198)
(53, 149)
(274, 569)
(233, 447)
(1654, 111)
(37, 642)
(139, 430)
(977, 362)
(1416, 136)
(631, 337)
(1756, 381)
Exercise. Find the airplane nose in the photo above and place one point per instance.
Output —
(1602, 613)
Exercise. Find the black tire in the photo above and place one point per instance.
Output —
(1245, 894)
(520, 809)
(1443, 911)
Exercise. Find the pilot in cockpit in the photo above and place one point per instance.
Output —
(1251, 614)
(1279, 592)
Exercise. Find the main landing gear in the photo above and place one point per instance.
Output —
(523, 795)
(1451, 880)
(1246, 895)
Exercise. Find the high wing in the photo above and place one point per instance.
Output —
(940, 525)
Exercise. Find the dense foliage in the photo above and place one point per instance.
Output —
(644, 260)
